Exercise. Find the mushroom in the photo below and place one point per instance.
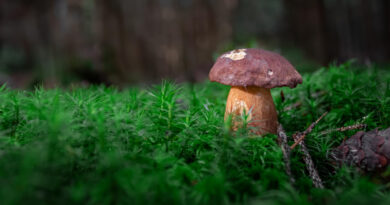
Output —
(251, 73)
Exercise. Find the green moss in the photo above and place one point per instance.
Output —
(169, 145)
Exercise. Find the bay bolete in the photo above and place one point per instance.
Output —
(251, 73)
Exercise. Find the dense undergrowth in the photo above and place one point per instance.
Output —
(169, 144)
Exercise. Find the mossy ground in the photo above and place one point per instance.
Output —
(168, 144)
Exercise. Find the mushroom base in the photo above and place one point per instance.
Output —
(258, 106)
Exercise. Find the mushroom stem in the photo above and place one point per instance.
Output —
(257, 103)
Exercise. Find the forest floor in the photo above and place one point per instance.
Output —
(168, 144)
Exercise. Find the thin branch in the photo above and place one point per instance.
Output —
(307, 131)
(342, 129)
(282, 140)
(309, 163)
(293, 106)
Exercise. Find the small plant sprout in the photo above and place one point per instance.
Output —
(252, 73)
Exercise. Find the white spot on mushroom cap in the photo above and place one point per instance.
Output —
(236, 54)
(270, 72)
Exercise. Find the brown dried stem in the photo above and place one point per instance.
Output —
(307, 131)
(309, 163)
(298, 138)
(342, 129)
(293, 106)
(282, 141)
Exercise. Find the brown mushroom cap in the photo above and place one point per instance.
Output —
(254, 67)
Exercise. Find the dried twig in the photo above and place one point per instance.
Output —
(309, 163)
(298, 138)
(282, 140)
(293, 106)
(342, 129)
(307, 131)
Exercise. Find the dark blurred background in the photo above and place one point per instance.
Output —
(123, 42)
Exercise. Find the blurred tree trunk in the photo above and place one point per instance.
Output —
(386, 11)
(129, 41)
(341, 29)
(125, 41)
(307, 27)
(168, 39)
